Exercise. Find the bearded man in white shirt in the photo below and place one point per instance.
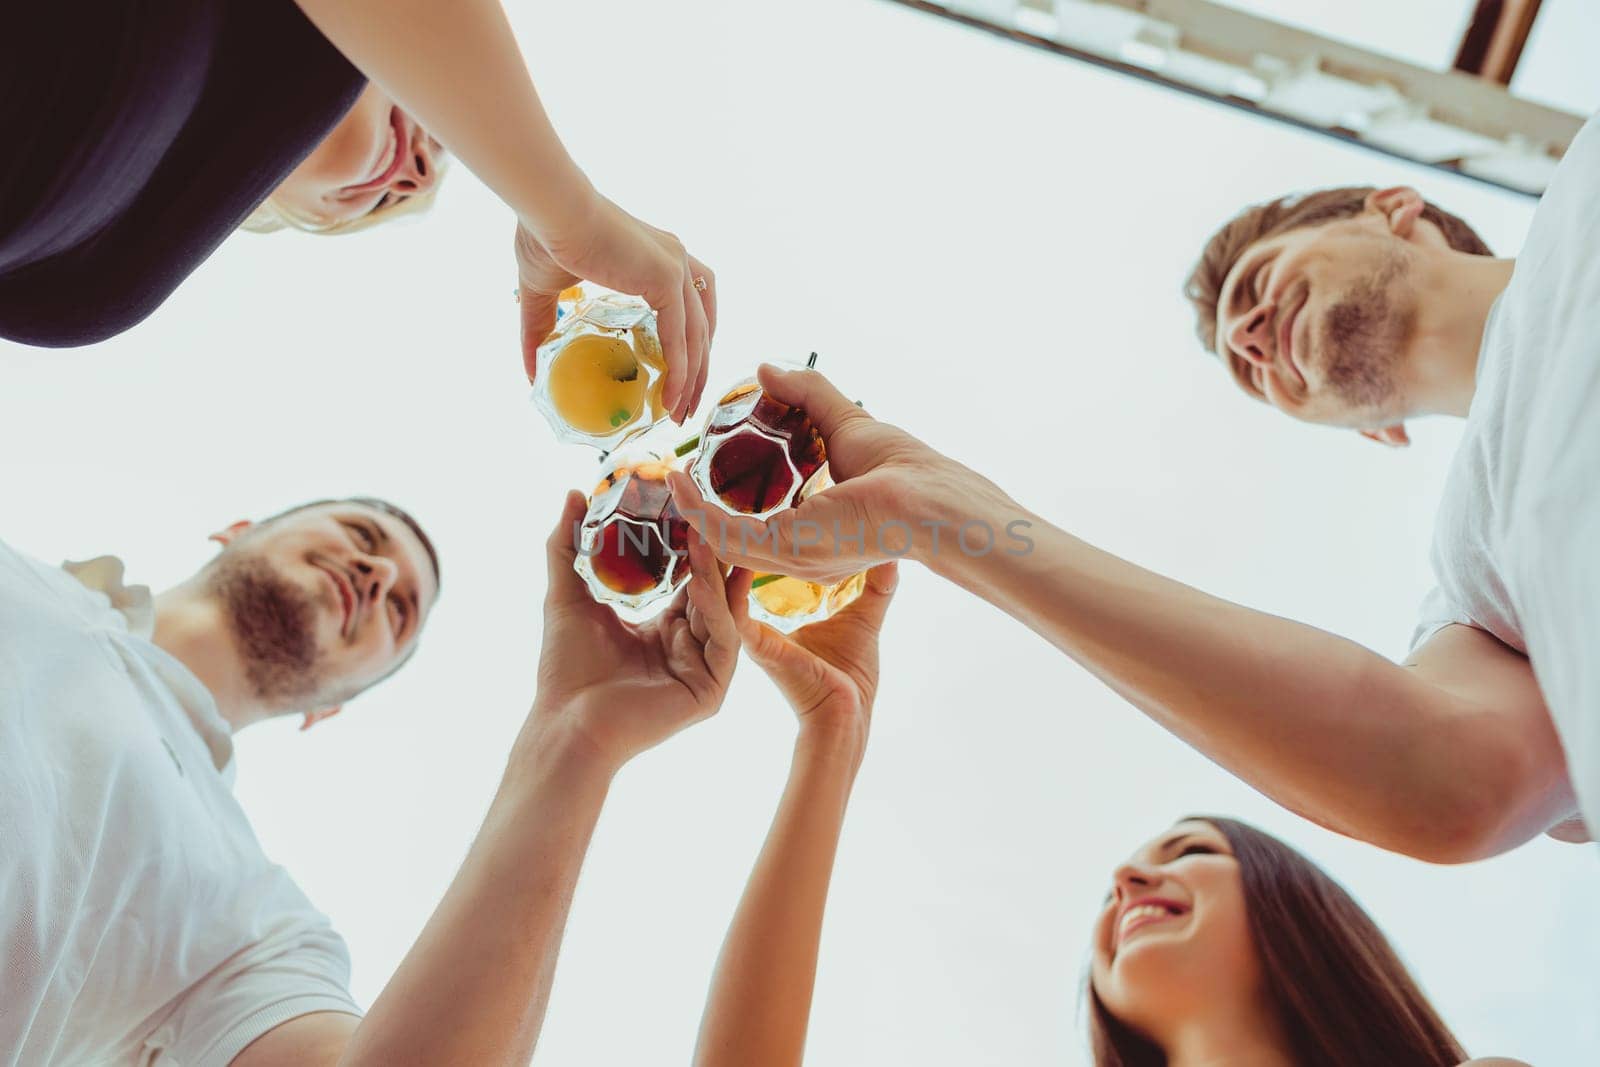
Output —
(143, 925)
(1363, 308)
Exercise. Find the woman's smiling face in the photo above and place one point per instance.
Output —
(1174, 937)
(376, 157)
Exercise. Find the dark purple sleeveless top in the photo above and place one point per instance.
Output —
(135, 135)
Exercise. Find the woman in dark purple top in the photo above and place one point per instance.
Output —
(136, 136)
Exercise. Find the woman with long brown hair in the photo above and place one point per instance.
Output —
(1221, 944)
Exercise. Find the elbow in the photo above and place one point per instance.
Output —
(1497, 793)
(1462, 832)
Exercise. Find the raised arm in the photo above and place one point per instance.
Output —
(1450, 759)
(760, 999)
(473, 988)
(456, 68)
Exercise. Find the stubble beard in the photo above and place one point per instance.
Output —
(1364, 335)
(273, 623)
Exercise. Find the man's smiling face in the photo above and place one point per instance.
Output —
(1317, 322)
(323, 601)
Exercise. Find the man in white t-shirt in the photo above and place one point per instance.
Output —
(1364, 308)
(1359, 308)
(140, 922)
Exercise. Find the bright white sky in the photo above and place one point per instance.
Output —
(985, 243)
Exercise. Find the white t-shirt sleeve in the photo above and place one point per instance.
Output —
(1560, 584)
(301, 966)
(1436, 613)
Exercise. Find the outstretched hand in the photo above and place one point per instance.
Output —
(884, 479)
(612, 248)
(623, 687)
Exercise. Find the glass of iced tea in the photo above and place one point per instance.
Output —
(633, 544)
(787, 603)
(757, 455)
(600, 374)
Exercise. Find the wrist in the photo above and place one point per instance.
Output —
(960, 518)
(568, 207)
(834, 740)
(552, 742)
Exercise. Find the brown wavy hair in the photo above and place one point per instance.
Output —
(1261, 221)
(1337, 987)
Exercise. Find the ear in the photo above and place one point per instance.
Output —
(225, 536)
(314, 717)
(1393, 436)
(1400, 205)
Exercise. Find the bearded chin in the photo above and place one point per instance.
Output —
(273, 624)
(1364, 335)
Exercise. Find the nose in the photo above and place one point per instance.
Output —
(1251, 337)
(377, 575)
(1133, 877)
(419, 170)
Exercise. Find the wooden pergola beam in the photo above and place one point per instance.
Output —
(1495, 38)
(1447, 119)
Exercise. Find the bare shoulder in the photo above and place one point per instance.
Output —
(315, 1040)
(1495, 1061)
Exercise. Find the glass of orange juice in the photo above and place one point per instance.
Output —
(599, 376)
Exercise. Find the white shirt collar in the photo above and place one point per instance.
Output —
(134, 603)
(103, 574)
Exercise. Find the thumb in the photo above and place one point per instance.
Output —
(538, 319)
(561, 550)
(870, 607)
(798, 674)
(828, 408)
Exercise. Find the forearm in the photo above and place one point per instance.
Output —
(456, 68)
(1324, 726)
(474, 987)
(760, 999)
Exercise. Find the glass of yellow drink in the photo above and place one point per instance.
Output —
(787, 603)
(598, 377)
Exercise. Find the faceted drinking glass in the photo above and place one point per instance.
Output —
(633, 542)
(757, 455)
(787, 603)
(599, 376)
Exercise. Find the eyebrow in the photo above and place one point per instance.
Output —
(1173, 840)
